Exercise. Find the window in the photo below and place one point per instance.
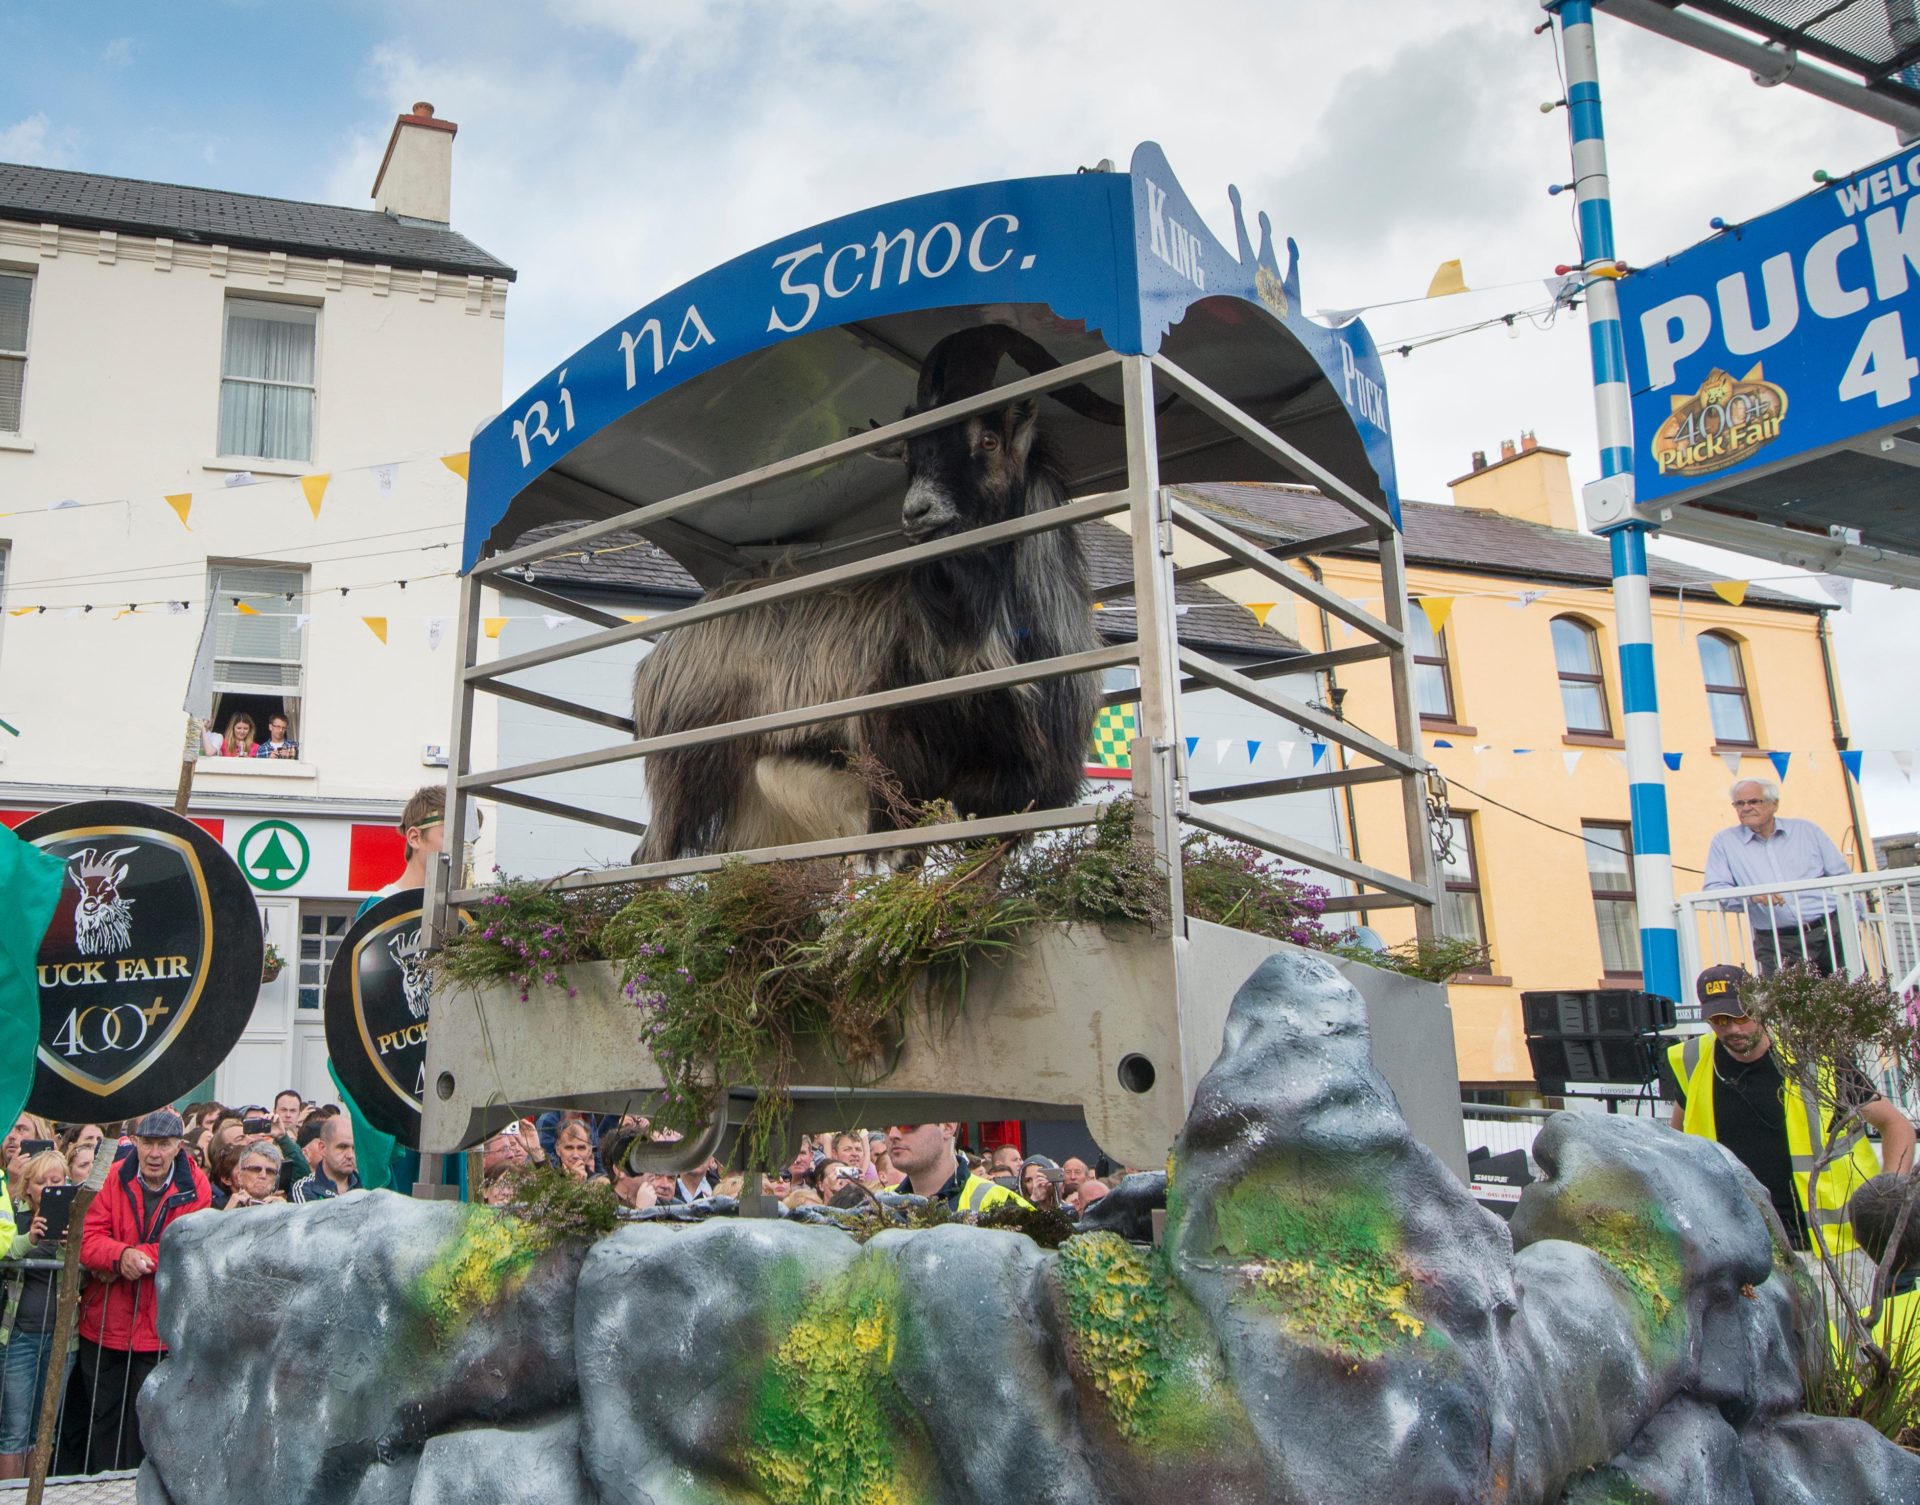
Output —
(257, 666)
(266, 380)
(322, 927)
(1726, 689)
(1461, 914)
(1610, 873)
(1432, 681)
(16, 303)
(1583, 688)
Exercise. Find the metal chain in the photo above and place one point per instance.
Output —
(1440, 829)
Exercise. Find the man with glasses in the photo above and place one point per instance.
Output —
(1766, 848)
(925, 1154)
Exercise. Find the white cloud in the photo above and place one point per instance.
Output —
(118, 53)
(37, 142)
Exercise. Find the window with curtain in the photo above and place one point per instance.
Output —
(1583, 686)
(257, 665)
(1610, 875)
(1726, 679)
(1461, 913)
(1432, 678)
(16, 304)
(267, 380)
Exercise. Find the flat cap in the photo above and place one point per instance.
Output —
(162, 1123)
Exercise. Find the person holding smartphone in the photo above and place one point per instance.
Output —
(43, 1198)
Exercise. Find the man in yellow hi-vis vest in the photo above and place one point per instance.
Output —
(1732, 1090)
(925, 1153)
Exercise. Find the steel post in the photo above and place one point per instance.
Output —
(1613, 420)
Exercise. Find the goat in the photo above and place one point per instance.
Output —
(991, 753)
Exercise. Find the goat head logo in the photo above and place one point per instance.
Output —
(414, 982)
(102, 919)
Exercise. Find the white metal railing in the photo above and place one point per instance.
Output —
(1862, 924)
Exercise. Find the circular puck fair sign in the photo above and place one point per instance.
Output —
(150, 967)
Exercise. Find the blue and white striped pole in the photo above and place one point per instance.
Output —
(1613, 415)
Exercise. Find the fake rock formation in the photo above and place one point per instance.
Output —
(1331, 1318)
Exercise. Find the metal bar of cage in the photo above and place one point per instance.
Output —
(553, 601)
(1299, 548)
(1287, 708)
(1304, 851)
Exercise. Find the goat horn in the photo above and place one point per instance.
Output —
(963, 365)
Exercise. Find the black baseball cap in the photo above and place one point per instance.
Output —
(1718, 989)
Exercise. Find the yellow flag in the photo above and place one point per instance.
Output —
(244, 609)
(456, 463)
(20, 611)
(1733, 592)
(1447, 279)
(1438, 609)
(181, 504)
(493, 626)
(1260, 610)
(377, 626)
(632, 619)
(315, 487)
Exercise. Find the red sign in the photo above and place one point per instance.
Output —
(376, 855)
(213, 825)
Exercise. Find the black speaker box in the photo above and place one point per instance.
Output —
(1595, 1012)
(1619, 1060)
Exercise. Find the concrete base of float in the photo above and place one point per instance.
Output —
(1113, 1026)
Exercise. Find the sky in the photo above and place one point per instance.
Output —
(611, 149)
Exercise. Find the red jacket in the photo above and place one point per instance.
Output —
(116, 1312)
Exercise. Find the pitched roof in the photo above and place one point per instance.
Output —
(1470, 539)
(90, 201)
(626, 564)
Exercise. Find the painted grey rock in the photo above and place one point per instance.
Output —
(1332, 1318)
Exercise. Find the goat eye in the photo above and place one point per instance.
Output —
(989, 442)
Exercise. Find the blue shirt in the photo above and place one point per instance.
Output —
(1797, 850)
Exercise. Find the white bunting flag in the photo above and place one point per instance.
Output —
(239, 478)
(1732, 760)
(1904, 762)
(1621, 759)
(1571, 759)
(383, 478)
(554, 620)
(1285, 751)
(1527, 598)
(436, 630)
(301, 619)
(176, 608)
(1838, 588)
(1480, 749)
(1220, 746)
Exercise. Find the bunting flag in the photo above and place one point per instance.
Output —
(1261, 609)
(1437, 610)
(1521, 752)
(1253, 751)
(300, 620)
(1441, 742)
(1850, 760)
(1621, 759)
(1480, 748)
(1571, 759)
(1192, 743)
(182, 503)
(456, 463)
(492, 626)
(641, 618)
(554, 620)
(383, 478)
(1286, 751)
(377, 626)
(244, 609)
(1220, 747)
(1733, 592)
(1447, 280)
(1673, 760)
(1732, 760)
(436, 630)
(1904, 762)
(1779, 760)
(238, 478)
(1113, 732)
(1526, 599)
(1838, 588)
(1319, 752)
(314, 487)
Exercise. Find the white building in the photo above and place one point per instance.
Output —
(213, 395)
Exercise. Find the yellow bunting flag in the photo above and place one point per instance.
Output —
(377, 626)
(20, 611)
(1437, 609)
(315, 487)
(1261, 610)
(244, 609)
(493, 626)
(1448, 278)
(456, 463)
(632, 619)
(1733, 592)
(182, 504)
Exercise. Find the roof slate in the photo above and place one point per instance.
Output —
(1470, 539)
(625, 564)
(90, 201)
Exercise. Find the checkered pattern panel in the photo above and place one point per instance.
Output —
(1113, 733)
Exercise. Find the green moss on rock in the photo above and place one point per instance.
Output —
(826, 1430)
(482, 1264)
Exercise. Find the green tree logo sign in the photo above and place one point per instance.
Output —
(274, 855)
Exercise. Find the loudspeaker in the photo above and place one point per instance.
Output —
(1623, 1060)
(1595, 1012)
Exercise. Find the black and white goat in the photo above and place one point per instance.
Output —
(991, 753)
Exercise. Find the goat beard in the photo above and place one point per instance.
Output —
(108, 929)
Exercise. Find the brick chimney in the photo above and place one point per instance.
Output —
(1529, 481)
(416, 175)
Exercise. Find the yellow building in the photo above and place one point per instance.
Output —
(1520, 706)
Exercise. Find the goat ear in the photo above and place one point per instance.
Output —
(894, 453)
(1022, 425)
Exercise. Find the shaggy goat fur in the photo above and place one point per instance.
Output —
(990, 754)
